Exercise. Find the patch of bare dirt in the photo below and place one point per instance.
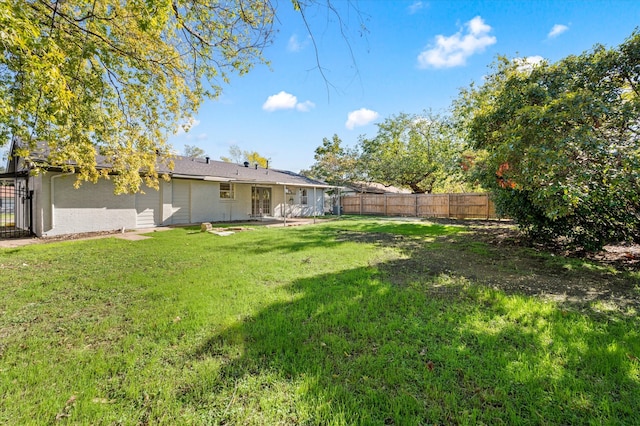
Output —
(495, 254)
(79, 236)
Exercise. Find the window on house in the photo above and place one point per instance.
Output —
(227, 191)
(303, 196)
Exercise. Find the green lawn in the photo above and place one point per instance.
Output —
(6, 219)
(335, 324)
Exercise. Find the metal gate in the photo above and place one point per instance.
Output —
(15, 208)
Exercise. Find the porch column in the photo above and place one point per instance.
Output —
(315, 204)
(285, 205)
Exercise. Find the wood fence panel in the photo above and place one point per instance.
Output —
(459, 206)
(469, 206)
(433, 205)
(373, 204)
(350, 204)
(401, 205)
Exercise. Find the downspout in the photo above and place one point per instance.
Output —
(52, 201)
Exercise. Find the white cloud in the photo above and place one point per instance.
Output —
(557, 30)
(360, 117)
(416, 7)
(295, 45)
(454, 50)
(305, 106)
(284, 100)
(187, 125)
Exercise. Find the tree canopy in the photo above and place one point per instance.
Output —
(410, 150)
(237, 155)
(334, 163)
(560, 143)
(116, 78)
(193, 151)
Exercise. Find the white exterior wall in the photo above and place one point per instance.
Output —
(293, 206)
(39, 202)
(221, 210)
(203, 195)
(90, 208)
(60, 209)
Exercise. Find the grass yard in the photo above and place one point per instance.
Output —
(6, 219)
(355, 321)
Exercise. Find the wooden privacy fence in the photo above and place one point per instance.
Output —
(459, 206)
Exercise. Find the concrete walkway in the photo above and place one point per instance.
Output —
(133, 235)
(138, 234)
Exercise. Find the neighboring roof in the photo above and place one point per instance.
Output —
(203, 169)
(374, 188)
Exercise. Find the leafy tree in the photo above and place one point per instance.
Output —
(334, 164)
(117, 78)
(254, 158)
(237, 155)
(193, 151)
(414, 151)
(560, 143)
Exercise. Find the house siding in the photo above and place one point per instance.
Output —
(180, 209)
(60, 209)
(90, 208)
(148, 207)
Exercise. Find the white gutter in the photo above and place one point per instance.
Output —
(271, 183)
(196, 177)
(217, 179)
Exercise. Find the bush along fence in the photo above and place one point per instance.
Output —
(458, 206)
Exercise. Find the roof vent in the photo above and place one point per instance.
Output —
(256, 166)
(207, 159)
(246, 164)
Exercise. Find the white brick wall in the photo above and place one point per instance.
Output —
(61, 209)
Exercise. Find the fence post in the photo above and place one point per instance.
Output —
(361, 195)
(486, 197)
(417, 195)
(385, 204)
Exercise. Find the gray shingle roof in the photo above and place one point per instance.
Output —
(200, 168)
(219, 170)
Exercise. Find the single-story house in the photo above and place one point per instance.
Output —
(200, 190)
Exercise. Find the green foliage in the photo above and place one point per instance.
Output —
(237, 155)
(254, 158)
(193, 151)
(118, 77)
(414, 151)
(560, 143)
(334, 163)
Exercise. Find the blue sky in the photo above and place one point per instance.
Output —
(414, 56)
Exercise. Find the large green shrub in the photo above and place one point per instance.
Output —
(559, 144)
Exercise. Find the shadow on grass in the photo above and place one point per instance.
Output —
(353, 348)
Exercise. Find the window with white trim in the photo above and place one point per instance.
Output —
(303, 196)
(227, 191)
